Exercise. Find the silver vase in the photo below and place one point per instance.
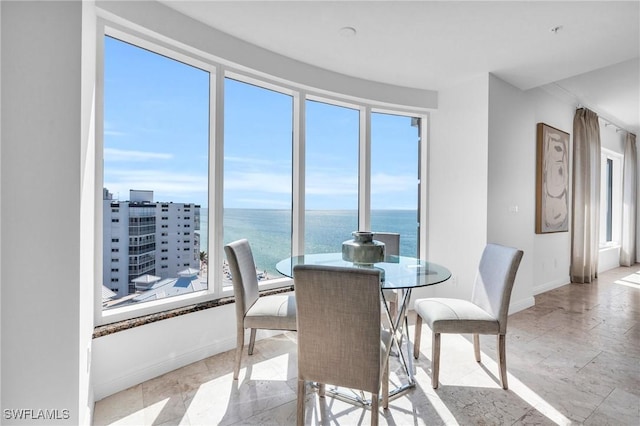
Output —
(363, 249)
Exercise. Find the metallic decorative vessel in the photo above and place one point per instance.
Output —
(363, 249)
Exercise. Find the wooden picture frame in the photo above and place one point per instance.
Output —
(552, 180)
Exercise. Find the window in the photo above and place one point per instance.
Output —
(395, 146)
(258, 126)
(331, 193)
(610, 198)
(155, 153)
(167, 133)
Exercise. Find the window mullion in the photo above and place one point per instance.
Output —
(216, 177)
(298, 184)
(423, 210)
(99, 169)
(364, 171)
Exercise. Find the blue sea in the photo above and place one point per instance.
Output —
(269, 231)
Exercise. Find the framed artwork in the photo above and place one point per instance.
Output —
(552, 180)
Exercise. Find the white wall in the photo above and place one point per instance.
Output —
(87, 210)
(552, 252)
(511, 201)
(513, 116)
(132, 356)
(611, 138)
(457, 191)
(457, 185)
(45, 331)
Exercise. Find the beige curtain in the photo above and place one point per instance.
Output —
(585, 230)
(629, 197)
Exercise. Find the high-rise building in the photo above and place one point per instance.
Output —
(146, 241)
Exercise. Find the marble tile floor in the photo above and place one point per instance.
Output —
(573, 358)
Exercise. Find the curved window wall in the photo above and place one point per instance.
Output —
(219, 155)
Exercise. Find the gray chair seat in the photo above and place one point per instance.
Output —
(275, 312)
(455, 316)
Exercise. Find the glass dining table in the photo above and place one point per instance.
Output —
(399, 273)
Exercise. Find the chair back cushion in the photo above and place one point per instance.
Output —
(391, 242)
(243, 275)
(494, 281)
(339, 329)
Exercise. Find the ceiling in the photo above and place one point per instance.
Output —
(585, 51)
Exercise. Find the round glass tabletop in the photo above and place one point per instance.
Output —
(398, 271)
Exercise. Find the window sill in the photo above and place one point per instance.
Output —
(105, 330)
(609, 246)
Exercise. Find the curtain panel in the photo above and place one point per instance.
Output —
(629, 202)
(585, 230)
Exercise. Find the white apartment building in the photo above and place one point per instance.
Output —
(146, 241)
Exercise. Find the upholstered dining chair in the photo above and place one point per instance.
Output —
(486, 313)
(340, 338)
(391, 242)
(273, 312)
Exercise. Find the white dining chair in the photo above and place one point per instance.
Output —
(273, 312)
(485, 313)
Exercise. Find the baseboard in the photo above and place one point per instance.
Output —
(551, 285)
(521, 305)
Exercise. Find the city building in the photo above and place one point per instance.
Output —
(146, 241)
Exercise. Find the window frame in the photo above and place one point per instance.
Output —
(218, 70)
(616, 198)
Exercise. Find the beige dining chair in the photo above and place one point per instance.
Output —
(273, 312)
(340, 338)
(486, 313)
(391, 242)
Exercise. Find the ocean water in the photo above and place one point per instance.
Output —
(269, 231)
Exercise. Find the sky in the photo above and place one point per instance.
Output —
(156, 137)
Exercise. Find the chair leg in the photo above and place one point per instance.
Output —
(374, 409)
(435, 360)
(252, 341)
(239, 346)
(300, 405)
(476, 346)
(322, 388)
(502, 360)
(416, 339)
(385, 385)
(393, 309)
